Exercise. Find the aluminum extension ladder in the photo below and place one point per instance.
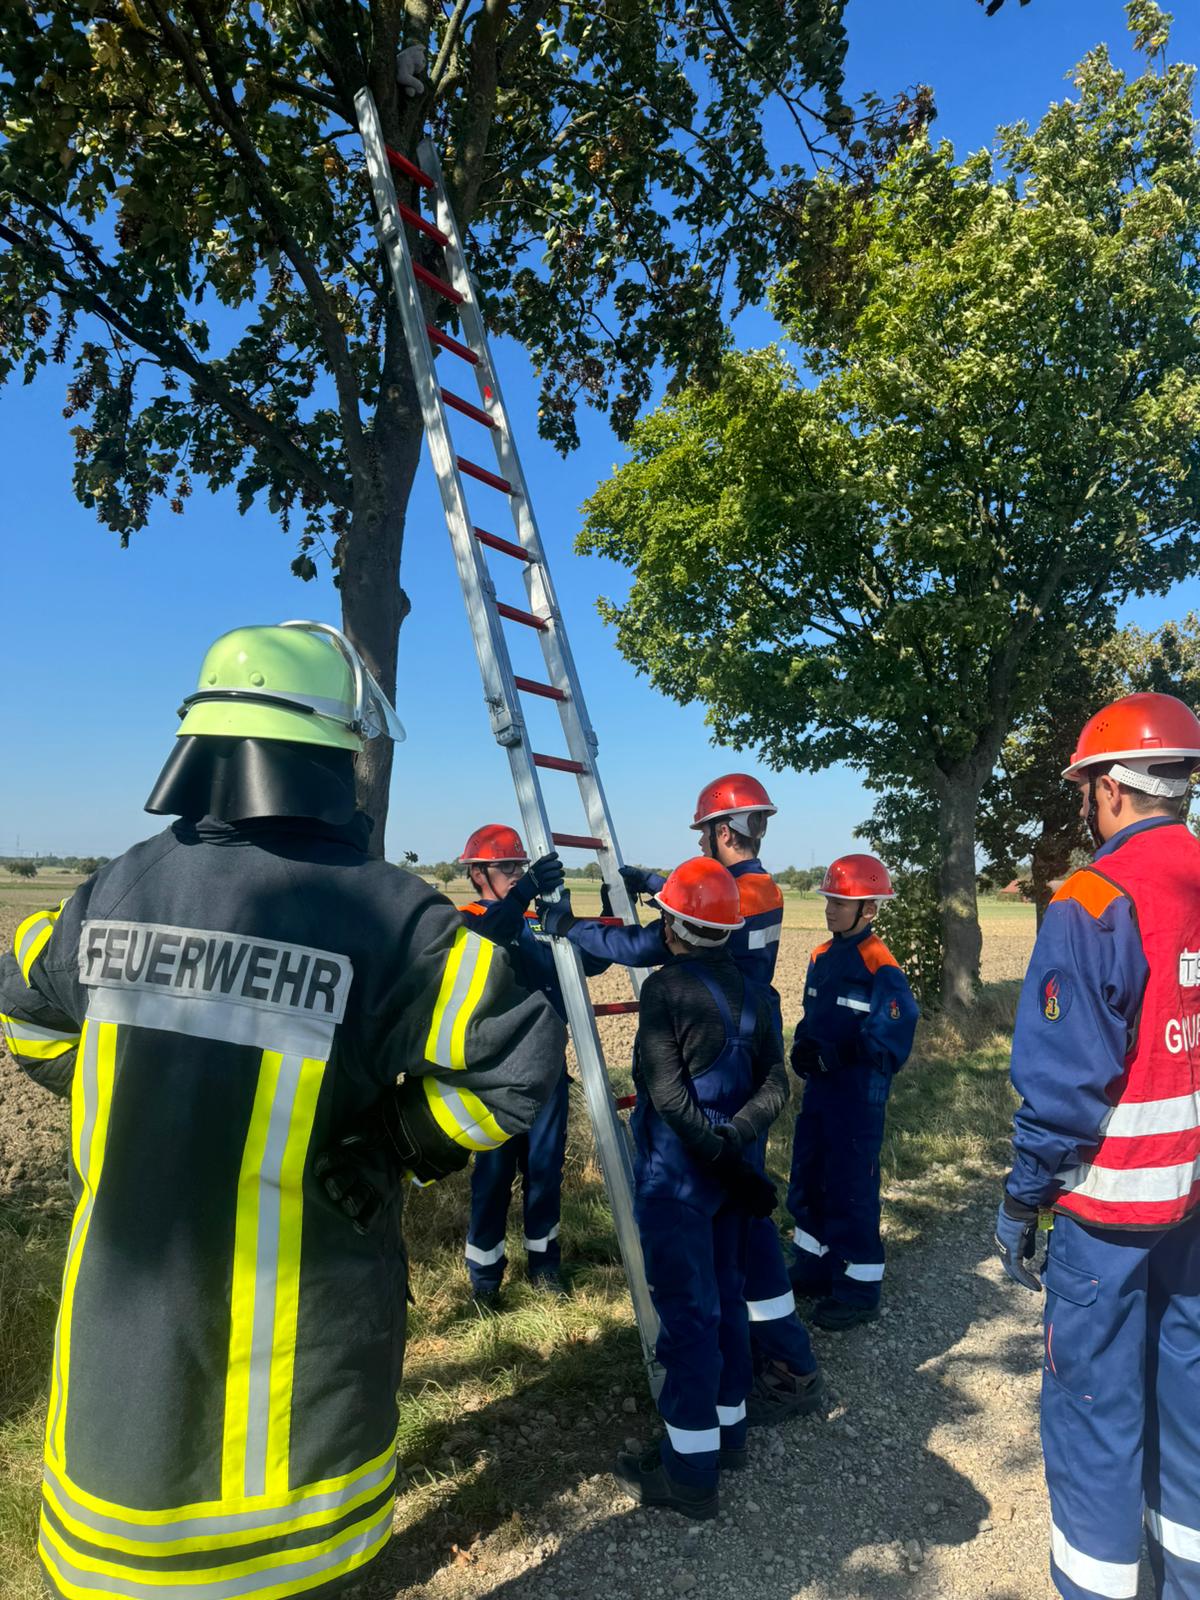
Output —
(501, 687)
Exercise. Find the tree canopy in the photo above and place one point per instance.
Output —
(886, 562)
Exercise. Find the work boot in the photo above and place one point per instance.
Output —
(837, 1316)
(649, 1482)
(734, 1457)
(779, 1393)
(487, 1299)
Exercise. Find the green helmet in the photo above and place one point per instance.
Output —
(302, 682)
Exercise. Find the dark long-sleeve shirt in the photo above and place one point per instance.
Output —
(680, 1035)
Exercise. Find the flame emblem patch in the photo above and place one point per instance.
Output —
(894, 1010)
(1055, 995)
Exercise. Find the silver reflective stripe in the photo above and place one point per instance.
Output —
(88, 1087)
(1115, 1580)
(225, 1020)
(770, 1310)
(472, 947)
(865, 1271)
(207, 1527)
(541, 1244)
(805, 1241)
(266, 1273)
(810, 990)
(760, 938)
(15, 1028)
(1175, 1537)
(184, 1585)
(32, 934)
(1148, 1184)
(453, 1102)
(853, 1005)
(1131, 1119)
(693, 1441)
(728, 1415)
(484, 1258)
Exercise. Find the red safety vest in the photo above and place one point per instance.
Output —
(1145, 1172)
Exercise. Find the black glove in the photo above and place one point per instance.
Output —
(542, 877)
(636, 880)
(1017, 1241)
(806, 1057)
(746, 1187)
(606, 905)
(557, 918)
(397, 1139)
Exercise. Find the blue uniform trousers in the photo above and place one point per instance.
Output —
(696, 1268)
(776, 1332)
(538, 1156)
(1121, 1407)
(833, 1195)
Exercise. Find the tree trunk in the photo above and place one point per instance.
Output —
(1051, 858)
(958, 796)
(373, 603)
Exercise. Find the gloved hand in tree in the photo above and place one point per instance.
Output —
(639, 881)
(542, 877)
(556, 916)
(397, 1139)
(1016, 1240)
(410, 70)
(748, 1188)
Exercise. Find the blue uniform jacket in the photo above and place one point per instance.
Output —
(506, 922)
(1079, 1006)
(858, 1007)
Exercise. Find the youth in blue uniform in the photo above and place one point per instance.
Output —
(855, 1034)
(506, 887)
(710, 1080)
(731, 818)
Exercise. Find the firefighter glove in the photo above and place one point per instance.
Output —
(806, 1057)
(747, 1188)
(1016, 1240)
(543, 877)
(557, 917)
(637, 880)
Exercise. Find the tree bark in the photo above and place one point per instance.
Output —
(1051, 858)
(958, 797)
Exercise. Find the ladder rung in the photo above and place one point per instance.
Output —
(546, 690)
(579, 841)
(497, 543)
(453, 345)
(560, 764)
(616, 1008)
(438, 285)
(492, 479)
(416, 220)
(404, 165)
(606, 922)
(527, 617)
(476, 413)
(626, 1102)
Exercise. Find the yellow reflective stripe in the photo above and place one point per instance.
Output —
(91, 1102)
(32, 937)
(241, 1308)
(458, 1038)
(473, 1126)
(449, 978)
(287, 1286)
(368, 1535)
(33, 1043)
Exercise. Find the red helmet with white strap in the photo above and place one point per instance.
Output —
(493, 842)
(859, 877)
(1143, 730)
(735, 793)
(704, 892)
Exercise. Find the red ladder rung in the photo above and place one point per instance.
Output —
(526, 617)
(546, 690)
(616, 1008)
(560, 764)
(579, 841)
(404, 165)
(492, 479)
(505, 545)
(416, 220)
(476, 413)
(453, 345)
(626, 1102)
(438, 285)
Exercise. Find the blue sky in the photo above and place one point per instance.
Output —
(100, 644)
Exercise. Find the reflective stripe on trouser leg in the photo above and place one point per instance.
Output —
(541, 1165)
(852, 1179)
(731, 1250)
(776, 1332)
(1093, 1407)
(492, 1174)
(678, 1243)
(1171, 1473)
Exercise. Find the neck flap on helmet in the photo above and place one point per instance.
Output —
(235, 780)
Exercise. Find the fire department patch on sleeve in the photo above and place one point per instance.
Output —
(1055, 995)
(894, 1010)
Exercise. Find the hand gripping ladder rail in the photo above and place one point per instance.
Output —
(500, 686)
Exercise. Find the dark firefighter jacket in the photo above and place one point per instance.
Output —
(221, 1002)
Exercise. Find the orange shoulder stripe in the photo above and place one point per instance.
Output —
(1088, 889)
(757, 892)
(821, 949)
(876, 954)
(475, 908)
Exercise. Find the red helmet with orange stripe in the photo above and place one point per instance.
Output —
(493, 842)
(704, 893)
(858, 877)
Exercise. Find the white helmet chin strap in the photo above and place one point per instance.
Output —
(1136, 774)
(692, 935)
(373, 712)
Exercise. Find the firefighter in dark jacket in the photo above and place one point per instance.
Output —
(506, 882)
(710, 1079)
(264, 1032)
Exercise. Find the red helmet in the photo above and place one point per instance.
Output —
(857, 878)
(704, 892)
(493, 842)
(1150, 727)
(736, 791)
